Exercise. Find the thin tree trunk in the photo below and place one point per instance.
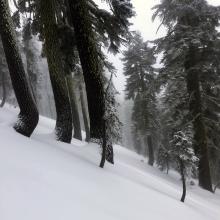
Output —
(104, 147)
(168, 166)
(150, 150)
(92, 70)
(183, 180)
(3, 90)
(28, 116)
(74, 107)
(84, 113)
(57, 76)
(195, 107)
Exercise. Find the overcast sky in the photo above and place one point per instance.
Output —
(143, 23)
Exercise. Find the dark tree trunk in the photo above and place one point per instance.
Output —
(57, 76)
(104, 147)
(84, 113)
(28, 116)
(168, 166)
(3, 90)
(195, 107)
(183, 180)
(92, 70)
(74, 107)
(150, 150)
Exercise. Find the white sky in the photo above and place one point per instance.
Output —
(143, 23)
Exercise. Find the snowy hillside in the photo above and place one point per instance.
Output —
(41, 179)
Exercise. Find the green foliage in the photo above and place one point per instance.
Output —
(181, 149)
(140, 87)
(191, 24)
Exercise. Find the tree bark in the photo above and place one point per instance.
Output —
(104, 147)
(28, 116)
(183, 180)
(84, 113)
(92, 70)
(195, 108)
(3, 90)
(57, 76)
(74, 107)
(150, 150)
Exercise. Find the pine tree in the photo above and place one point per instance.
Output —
(182, 153)
(57, 75)
(28, 116)
(92, 70)
(191, 35)
(138, 61)
(112, 123)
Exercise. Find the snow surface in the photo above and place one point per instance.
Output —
(41, 179)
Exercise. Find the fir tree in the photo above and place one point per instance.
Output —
(28, 116)
(182, 153)
(138, 67)
(191, 35)
(57, 76)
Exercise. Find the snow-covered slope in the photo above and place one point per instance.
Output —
(41, 179)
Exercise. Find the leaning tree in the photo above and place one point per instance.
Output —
(28, 116)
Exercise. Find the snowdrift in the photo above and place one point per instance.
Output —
(42, 179)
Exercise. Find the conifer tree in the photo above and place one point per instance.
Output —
(28, 116)
(57, 75)
(140, 87)
(182, 153)
(92, 70)
(191, 35)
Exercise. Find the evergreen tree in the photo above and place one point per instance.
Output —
(138, 67)
(57, 75)
(28, 116)
(112, 123)
(191, 35)
(182, 153)
(92, 70)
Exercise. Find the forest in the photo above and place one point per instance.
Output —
(55, 62)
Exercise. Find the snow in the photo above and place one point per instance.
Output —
(42, 179)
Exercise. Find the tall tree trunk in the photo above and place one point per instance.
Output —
(74, 107)
(28, 116)
(150, 150)
(3, 90)
(57, 76)
(195, 107)
(84, 113)
(92, 70)
(183, 180)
